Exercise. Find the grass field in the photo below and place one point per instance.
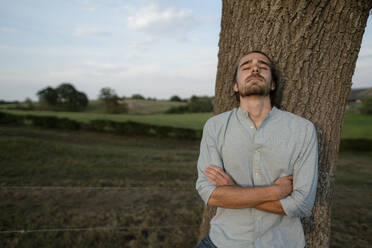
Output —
(137, 106)
(145, 191)
(156, 195)
(193, 121)
(355, 125)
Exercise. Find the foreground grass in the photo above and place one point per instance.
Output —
(148, 191)
(352, 204)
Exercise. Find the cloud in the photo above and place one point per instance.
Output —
(99, 32)
(169, 22)
(89, 5)
(362, 74)
(8, 30)
(101, 69)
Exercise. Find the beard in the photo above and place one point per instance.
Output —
(255, 88)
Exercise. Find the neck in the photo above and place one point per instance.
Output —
(257, 107)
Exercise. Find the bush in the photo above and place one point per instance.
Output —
(178, 110)
(51, 122)
(111, 103)
(10, 119)
(123, 128)
(138, 96)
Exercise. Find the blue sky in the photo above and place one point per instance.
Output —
(157, 48)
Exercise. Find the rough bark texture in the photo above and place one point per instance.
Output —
(315, 45)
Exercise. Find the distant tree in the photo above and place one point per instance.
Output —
(175, 98)
(8, 102)
(28, 104)
(48, 97)
(138, 97)
(197, 104)
(366, 107)
(111, 103)
(201, 104)
(64, 97)
(69, 98)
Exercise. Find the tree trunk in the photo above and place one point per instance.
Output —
(316, 45)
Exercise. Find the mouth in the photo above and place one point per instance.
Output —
(255, 78)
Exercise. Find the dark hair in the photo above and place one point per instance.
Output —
(273, 69)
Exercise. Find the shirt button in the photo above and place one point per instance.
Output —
(252, 126)
(256, 173)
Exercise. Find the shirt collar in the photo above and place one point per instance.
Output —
(243, 113)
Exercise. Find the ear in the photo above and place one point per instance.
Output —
(273, 85)
(235, 87)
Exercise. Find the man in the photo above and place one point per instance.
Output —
(257, 165)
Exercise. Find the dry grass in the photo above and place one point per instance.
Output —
(162, 210)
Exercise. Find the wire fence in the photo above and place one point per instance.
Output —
(90, 188)
(113, 228)
(144, 188)
(104, 228)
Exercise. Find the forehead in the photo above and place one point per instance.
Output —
(254, 57)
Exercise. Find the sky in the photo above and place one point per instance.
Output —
(156, 48)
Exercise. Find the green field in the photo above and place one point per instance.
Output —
(137, 106)
(355, 125)
(140, 187)
(193, 121)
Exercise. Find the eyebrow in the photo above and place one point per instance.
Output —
(259, 61)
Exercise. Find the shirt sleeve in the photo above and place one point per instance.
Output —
(305, 178)
(209, 154)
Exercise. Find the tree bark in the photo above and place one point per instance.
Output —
(315, 45)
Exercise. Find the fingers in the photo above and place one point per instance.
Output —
(216, 171)
(217, 176)
(290, 177)
(213, 174)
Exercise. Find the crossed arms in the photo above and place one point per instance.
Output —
(292, 195)
(228, 195)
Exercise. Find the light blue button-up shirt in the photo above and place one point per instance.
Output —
(284, 144)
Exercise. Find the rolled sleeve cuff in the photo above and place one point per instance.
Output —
(206, 192)
(293, 208)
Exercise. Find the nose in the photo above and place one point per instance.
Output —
(255, 69)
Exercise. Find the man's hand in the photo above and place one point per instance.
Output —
(284, 186)
(217, 176)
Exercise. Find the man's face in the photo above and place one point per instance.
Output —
(254, 76)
